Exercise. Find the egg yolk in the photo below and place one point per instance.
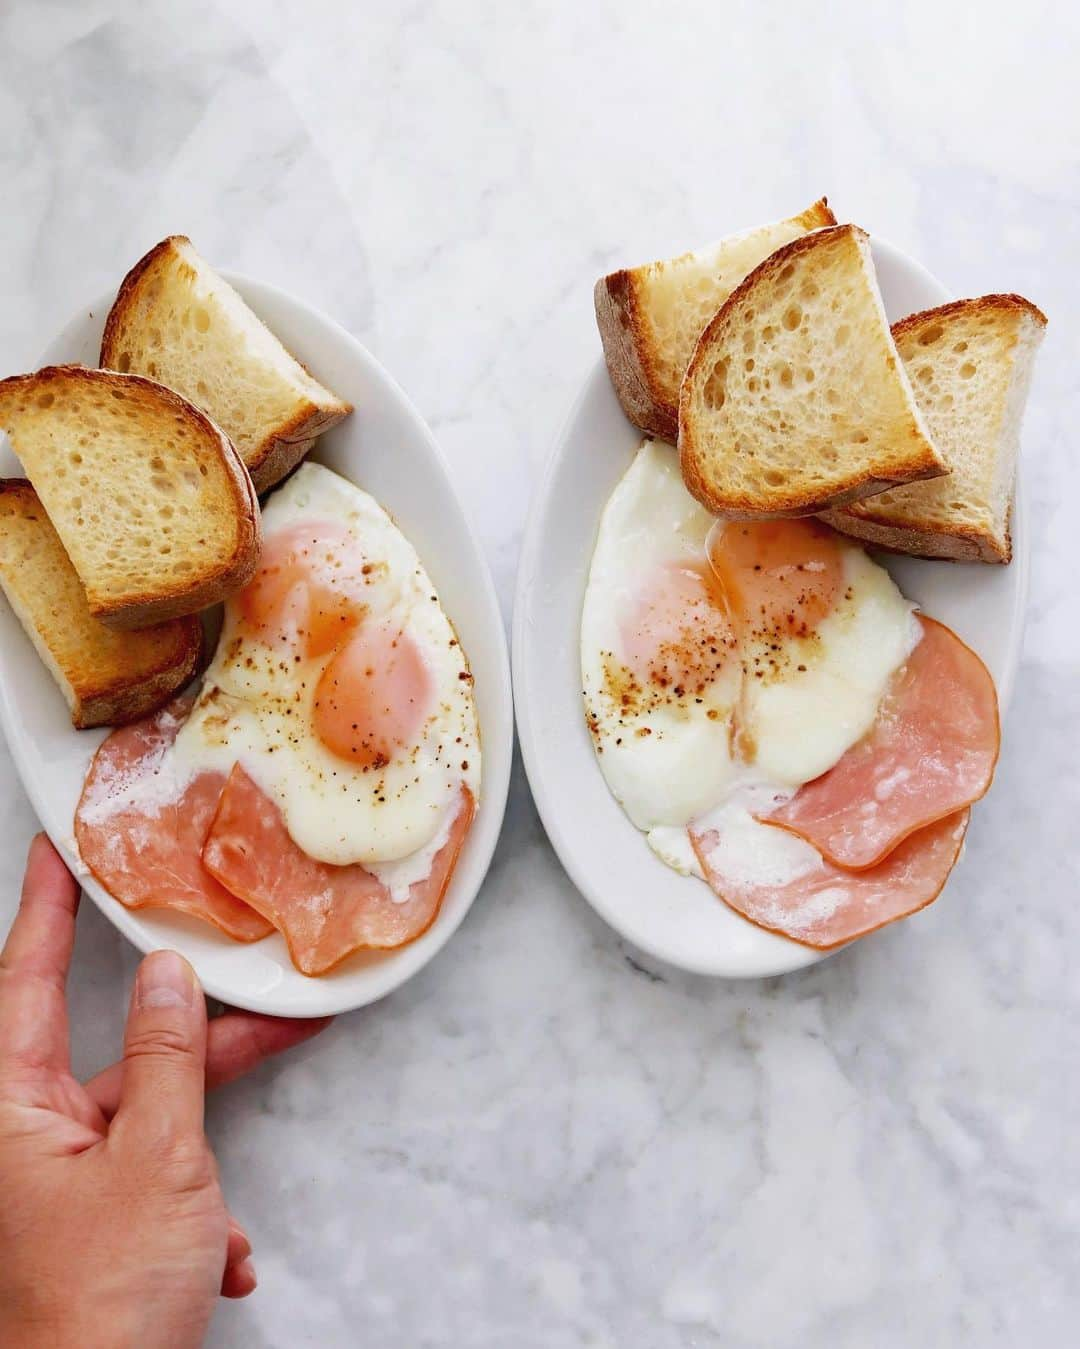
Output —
(373, 697)
(676, 636)
(376, 690)
(780, 577)
(304, 590)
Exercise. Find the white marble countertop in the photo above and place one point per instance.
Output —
(536, 1142)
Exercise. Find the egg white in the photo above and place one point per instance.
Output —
(256, 708)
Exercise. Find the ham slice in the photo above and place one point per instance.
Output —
(324, 912)
(931, 752)
(824, 906)
(141, 834)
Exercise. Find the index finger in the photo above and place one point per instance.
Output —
(237, 1043)
(34, 963)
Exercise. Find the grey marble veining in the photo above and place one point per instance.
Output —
(544, 1140)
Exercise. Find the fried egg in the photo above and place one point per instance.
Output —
(726, 664)
(339, 684)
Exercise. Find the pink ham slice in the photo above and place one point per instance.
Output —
(931, 752)
(145, 850)
(828, 906)
(324, 912)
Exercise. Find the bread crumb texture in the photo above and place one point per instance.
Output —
(177, 321)
(124, 671)
(795, 396)
(678, 298)
(137, 484)
(970, 365)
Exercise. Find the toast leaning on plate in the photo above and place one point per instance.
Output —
(149, 498)
(107, 677)
(796, 399)
(651, 317)
(177, 321)
(970, 364)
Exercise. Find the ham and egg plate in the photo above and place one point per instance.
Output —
(324, 778)
(773, 714)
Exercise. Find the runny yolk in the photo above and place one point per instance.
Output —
(305, 589)
(373, 697)
(677, 637)
(780, 577)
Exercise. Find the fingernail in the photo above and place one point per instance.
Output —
(165, 980)
(245, 1271)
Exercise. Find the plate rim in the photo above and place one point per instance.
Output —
(495, 789)
(528, 734)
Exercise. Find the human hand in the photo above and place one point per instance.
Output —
(113, 1229)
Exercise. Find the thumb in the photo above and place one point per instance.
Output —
(164, 1049)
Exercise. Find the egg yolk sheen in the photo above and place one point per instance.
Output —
(780, 577)
(308, 599)
(764, 583)
(746, 615)
(675, 639)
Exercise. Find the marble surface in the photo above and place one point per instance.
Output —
(543, 1141)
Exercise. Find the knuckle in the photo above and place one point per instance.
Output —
(29, 977)
(178, 1162)
(187, 1166)
(166, 1042)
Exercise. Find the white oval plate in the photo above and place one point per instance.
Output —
(675, 918)
(385, 448)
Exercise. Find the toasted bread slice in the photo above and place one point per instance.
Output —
(970, 364)
(108, 678)
(176, 321)
(651, 317)
(149, 498)
(795, 399)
